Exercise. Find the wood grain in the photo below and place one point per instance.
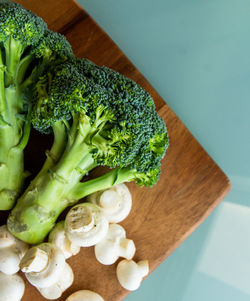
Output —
(59, 14)
(191, 184)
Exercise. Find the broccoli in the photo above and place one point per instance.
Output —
(27, 50)
(103, 119)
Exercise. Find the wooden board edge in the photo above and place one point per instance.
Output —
(224, 192)
(152, 268)
(192, 229)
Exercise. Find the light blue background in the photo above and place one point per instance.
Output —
(196, 54)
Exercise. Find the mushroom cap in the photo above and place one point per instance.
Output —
(52, 271)
(130, 273)
(106, 253)
(116, 202)
(58, 237)
(11, 251)
(85, 225)
(6, 238)
(11, 287)
(55, 291)
(9, 261)
(114, 245)
(84, 295)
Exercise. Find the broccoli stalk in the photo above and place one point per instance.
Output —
(15, 39)
(103, 119)
(14, 122)
(27, 49)
(114, 177)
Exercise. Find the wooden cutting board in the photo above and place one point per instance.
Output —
(191, 184)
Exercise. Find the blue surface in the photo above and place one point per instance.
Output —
(196, 54)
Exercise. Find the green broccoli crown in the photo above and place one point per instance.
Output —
(20, 24)
(152, 130)
(136, 107)
(125, 128)
(56, 96)
(149, 178)
(119, 84)
(53, 48)
(154, 150)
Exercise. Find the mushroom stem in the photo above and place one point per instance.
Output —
(50, 270)
(114, 245)
(80, 219)
(127, 248)
(34, 261)
(143, 267)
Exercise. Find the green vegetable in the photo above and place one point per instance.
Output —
(98, 117)
(27, 50)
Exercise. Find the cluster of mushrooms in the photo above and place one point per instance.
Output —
(93, 223)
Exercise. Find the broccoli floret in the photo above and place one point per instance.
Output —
(122, 125)
(27, 50)
(95, 122)
(51, 51)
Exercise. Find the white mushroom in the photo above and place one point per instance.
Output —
(11, 251)
(130, 273)
(114, 245)
(58, 237)
(45, 268)
(84, 295)
(55, 291)
(116, 202)
(11, 287)
(85, 225)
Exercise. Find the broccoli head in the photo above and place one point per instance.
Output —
(119, 128)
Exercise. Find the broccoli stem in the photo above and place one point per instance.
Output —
(3, 104)
(26, 132)
(114, 177)
(21, 71)
(12, 172)
(12, 176)
(53, 155)
(87, 164)
(14, 123)
(77, 153)
(48, 195)
(14, 130)
(39, 207)
(13, 52)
